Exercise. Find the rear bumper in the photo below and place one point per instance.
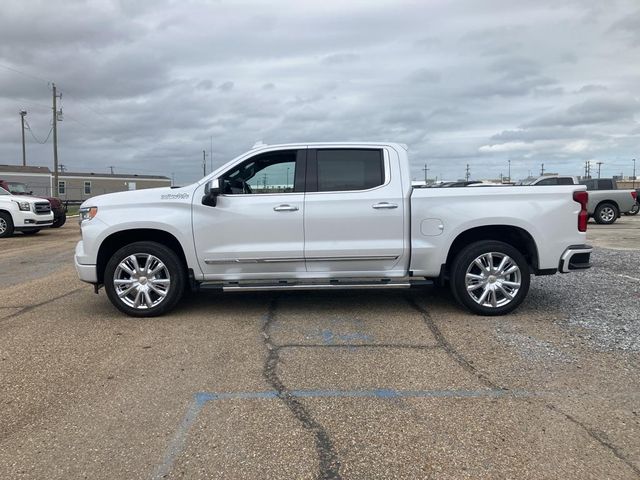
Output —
(575, 257)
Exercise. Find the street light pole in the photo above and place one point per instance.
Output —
(24, 150)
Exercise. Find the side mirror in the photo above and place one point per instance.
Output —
(211, 192)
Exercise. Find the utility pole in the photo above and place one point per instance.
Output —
(111, 168)
(24, 150)
(586, 169)
(211, 151)
(509, 170)
(204, 163)
(599, 165)
(55, 141)
(467, 173)
(541, 169)
(634, 173)
(426, 172)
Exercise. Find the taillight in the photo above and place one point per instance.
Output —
(634, 195)
(582, 198)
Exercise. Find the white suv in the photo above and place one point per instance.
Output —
(23, 214)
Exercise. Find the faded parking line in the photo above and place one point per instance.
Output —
(200, 399)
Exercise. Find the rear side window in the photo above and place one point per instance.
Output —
(349, 169)
(605, 185)
(565, 181)
(548, 181)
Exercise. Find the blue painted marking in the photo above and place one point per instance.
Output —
(200, 399)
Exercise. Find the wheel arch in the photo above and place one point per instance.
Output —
(612, 202)
(517, 237)
(117, 240)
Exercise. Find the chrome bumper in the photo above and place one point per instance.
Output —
(575, 257)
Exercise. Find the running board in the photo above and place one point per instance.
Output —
(258, 286)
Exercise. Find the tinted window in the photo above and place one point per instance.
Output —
(349, 169)
(548, 181)
(565, 181)
(589, 183)
(605, 185)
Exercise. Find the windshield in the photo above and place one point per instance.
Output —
(17, 187)
(3, 191)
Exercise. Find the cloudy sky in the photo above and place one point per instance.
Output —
(148, 84)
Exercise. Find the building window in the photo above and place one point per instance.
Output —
(87, 188)
(62, 187)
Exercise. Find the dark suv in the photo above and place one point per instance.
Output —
(58, 208)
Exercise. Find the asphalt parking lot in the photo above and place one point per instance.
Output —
(351, 385)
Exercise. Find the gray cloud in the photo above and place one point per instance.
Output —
(146, 84)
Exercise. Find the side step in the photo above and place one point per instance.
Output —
(257, 286)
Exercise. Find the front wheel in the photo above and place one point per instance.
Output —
(144, 279)
(59, 221)
(606, 214)
(6, 225)
(490, 278)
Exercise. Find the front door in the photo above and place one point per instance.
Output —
(256, 228)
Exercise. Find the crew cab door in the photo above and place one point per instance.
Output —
(256, 227)
(354, 212)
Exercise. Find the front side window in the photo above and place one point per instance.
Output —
(62, 187)
(349, 169)
(87, 188)
(272, 172)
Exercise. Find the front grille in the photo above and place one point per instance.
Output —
(42, 208)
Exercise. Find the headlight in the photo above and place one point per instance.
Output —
(87, 213)
(25, 206)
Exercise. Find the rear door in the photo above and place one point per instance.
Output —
(354, 221)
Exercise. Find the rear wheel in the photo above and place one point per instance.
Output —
(6, 225)
(606, 214)
(490, 278)
(144, 279)
(30, 232)
(634, 210)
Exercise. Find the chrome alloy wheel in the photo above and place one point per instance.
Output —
(3, 225)
(141, 281)
(493, 279)
(607, 214)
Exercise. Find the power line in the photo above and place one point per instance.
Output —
(34, 135)
(33, 77)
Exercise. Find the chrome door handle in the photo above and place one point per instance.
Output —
(285, 208)
(386, 205)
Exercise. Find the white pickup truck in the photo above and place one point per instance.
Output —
(23, 214)
(328, 216)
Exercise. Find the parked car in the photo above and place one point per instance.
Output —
(348, 218)
(606, 202)
(23, 214)
(636, 207)
(58, 208)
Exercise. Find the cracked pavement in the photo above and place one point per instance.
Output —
(363, 385)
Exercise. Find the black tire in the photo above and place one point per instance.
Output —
(175, 273)
(59, 221)
(634, 210)
(606, 213)
(464, 263)
(30, 232)
(6, 225)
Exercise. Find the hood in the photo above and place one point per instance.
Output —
(23, 198)
(145, 196)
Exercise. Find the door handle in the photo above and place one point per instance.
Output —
(383, 205)
(285, 208)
